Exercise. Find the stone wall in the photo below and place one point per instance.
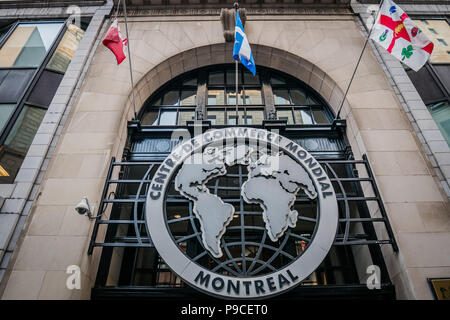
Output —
(20, 195)
(420, 222)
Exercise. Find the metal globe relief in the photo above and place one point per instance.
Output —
(251, 216)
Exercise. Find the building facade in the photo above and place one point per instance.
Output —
(71, 130)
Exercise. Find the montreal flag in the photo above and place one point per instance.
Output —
(398, 34)
(115, 42)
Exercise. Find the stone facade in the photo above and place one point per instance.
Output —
(319, 49)
(19, 196)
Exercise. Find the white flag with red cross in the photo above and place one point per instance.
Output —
(398, 34)
(115, 42)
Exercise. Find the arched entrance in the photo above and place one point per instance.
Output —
(130, 265)
(268, 57)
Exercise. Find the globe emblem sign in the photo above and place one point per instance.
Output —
(241, 213)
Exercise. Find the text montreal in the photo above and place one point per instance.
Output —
(239, 287)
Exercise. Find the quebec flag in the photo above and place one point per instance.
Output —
(241, 50)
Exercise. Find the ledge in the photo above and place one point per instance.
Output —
(49, 3)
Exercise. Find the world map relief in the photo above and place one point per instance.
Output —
(273, 183)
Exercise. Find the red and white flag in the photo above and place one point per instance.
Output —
(115, 42)
(398, 34)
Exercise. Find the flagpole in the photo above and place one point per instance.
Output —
(236, 7)
(129, 57)
(237, 94)
(359, 60)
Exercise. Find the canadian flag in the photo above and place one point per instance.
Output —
(115, 42)
(398, 34)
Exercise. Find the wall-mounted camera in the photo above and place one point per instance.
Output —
(83, 208)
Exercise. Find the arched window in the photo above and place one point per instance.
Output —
(296, 103)
(173, 106)
(210, 94)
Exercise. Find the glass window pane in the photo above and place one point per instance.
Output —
(3, 74)
(168, 118)
(184, 116)
(188, 97)
(320, 116)
(217, 115)
(5, 113)
(66, 49)
(443, 70)
(216, 78)
(256, 116)
(232, 120)
(253, 97)
(285, 115)
(251, 79)
(437, 30)
(150, 118)
(426, 86)
(303, 116)
(441, 115)
(4, 31)
(157, 102)
(212, 118)
(231, 77)
(231, 97)
(190, 82)
(171, 98)
(146, 260)
(281, 96)
(45, 88)
(298, 97)
(311, 100)
(231, 115)
(18, 141)
(28, 44)
(13, 84)
(277, 80)
(216, 97)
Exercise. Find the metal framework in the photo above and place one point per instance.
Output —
(120, 229)
(345, 198)
(355, 188)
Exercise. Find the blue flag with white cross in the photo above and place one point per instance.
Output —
(241, 50)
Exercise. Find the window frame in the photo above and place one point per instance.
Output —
(23, 98)
(59, 26)
(429, 66)
(265, 87)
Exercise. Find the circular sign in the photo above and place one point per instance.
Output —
(279, 172)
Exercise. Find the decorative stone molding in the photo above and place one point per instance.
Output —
(212, 3)
(42, 12)
(48, 3)
(228, 18)
(199, 115)
(249, 11)
(272, 115)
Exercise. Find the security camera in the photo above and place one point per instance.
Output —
(84, 208)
